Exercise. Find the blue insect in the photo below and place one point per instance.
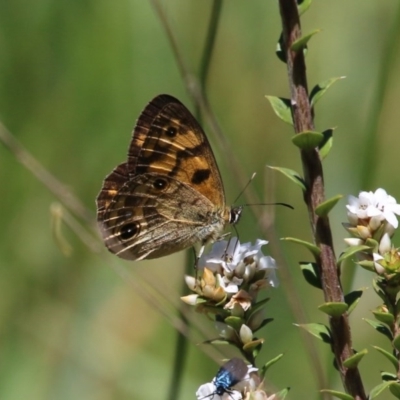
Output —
(231, 373)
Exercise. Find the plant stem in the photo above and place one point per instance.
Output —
(314, 195)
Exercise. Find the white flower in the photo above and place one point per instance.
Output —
(378, 267)
(208, 391)
(388, 206)
(385, 244)
(225, 331)
(378, 206)
(269, 265)
(239, 262)
(353, 241)
(223, 253)
(230, 285)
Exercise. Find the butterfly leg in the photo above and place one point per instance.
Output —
(197, 259)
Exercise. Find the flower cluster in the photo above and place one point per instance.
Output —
(372, 222)
(235, 380)
(241, 270)
(232, 275)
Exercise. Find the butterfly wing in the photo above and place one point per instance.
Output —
(169, 195)
(168, 140)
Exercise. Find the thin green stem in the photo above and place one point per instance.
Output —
(60, 191)
(210, 42)
(370, 158)
(181, 345)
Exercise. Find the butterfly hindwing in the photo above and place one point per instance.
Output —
(148, 216)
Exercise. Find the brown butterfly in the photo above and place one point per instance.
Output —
(169, 194)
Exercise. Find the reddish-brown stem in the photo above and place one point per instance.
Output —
(315, 195)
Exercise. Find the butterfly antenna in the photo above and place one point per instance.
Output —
(237, 234)
(245, 187)
(258, 204)
(269, 204)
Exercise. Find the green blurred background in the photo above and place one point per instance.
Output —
(74, 76)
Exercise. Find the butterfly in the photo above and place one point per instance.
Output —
(230, 374)
(168, 195)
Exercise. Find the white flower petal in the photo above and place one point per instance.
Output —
(394, 208)
(246, 334)
(372, 211)
(375, 222)
(353, 241)
(206, 391)
(190, 299)
(272, 278)
(353, 201)
(391, 218)
(266, 262)
(353, 218)
(378, 267)
(385, 244)
(380, 195)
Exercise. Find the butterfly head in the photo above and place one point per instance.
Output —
(235, 214)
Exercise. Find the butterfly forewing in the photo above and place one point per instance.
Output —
(169, 141)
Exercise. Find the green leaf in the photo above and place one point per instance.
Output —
(377, 390)
(318, 330)
(388, 376)
(382, 316)
(282, 108)
(234, 322)
(311, 274)
(389, 356)
(379, 291)
(380, 328)
(396, 342)
(368, 265)
(301, 43)
(263, 323)
(350, 251)
(282, 394)
(253, 347)
(395, 389)
(307, 140)
(334, 309)
(354, 360)
(218, 342)
(339, 395)
(292, 175)
(352, 299)
(325, 207)
(267, 365)
(372, 244)
(326, 145)
(258, 305)
(319, 90)
(303, 6)
(312, 247)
